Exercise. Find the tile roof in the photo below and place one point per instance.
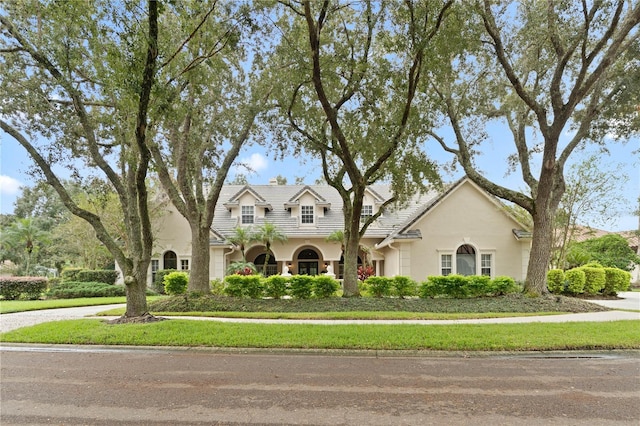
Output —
(279, 199)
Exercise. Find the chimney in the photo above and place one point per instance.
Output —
(273, 181)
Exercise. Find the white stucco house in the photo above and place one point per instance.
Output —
(461, 230)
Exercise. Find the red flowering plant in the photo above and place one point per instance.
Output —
(365, 272)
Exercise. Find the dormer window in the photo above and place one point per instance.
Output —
(247, 215)
(367, 212)
(306, 214)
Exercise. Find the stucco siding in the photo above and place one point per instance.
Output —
(466, 216)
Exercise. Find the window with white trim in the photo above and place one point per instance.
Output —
(367, 212)
(155, 266)
(306, 214)
(445, 264)
(247, 214)
(184, 264)
(485, 264)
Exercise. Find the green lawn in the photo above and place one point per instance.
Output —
(9, 306)
(461, 337)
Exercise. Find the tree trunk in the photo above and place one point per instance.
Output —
(350, 278)
(136, 286)
(549, 193)
(200, 256)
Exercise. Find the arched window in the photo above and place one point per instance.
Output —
(170, 260)
(466, 260)
(272, 264)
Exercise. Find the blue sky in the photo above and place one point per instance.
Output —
(623, 159)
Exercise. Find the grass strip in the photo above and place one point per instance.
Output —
(367, 315)
(10, 306)
(459, 337)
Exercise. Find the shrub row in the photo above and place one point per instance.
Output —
(12, 288)
(590, 279)
(399, 286)
(107, 276)
(277, 286)
(459, 286)
(75, 289)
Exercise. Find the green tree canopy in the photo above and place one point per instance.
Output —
(611, 250)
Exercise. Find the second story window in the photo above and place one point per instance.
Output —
(367, 212)
(247, 214)
(306, 214)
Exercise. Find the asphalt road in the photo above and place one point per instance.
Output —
(109, 386)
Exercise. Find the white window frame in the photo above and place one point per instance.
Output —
(247, 215)
(307, 215)
(367, 211)
(184, 264)
(443, 263)
(486, 263)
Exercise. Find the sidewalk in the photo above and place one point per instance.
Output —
(630, 300)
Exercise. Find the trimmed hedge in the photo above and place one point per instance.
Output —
(176, 283)
(616, 280)
(459, 286)
(76, 289)
(106, 276)
(591, 280)
(594, 279)
(301, 286)
(70, 274)
(324, 286)
(158, 283)
(11, 288)
(277, 286)
(575, 281)
(378, 286)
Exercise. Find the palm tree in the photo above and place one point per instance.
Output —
(241, 238)
(267, 234)
(24, 235)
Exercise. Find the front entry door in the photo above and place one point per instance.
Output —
(307, 268)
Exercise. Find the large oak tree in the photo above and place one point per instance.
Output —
(352, 70)
(545, 69)
(77, 80)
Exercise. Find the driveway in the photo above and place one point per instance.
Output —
(629, 300)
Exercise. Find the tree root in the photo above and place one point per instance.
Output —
(142, 319)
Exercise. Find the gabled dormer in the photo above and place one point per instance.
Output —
(370, 203)
(247, 205)
(307, 206)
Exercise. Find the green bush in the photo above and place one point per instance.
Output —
(275, 286)
(502, 285)
(555, 281)
(176, 283)
(100, 276)
(478, 285)
(243, 286)
(77, 289)
(594, 279)
(403, 286)
(616, 280)
(301, 286)
(70, 274)
(158, 283)
(324, 286)
(378, 286)
(458, 286)
(217, 286)
(575, 281)
(12, 288)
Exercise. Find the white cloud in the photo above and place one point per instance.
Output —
(255, 163)
(9, 185)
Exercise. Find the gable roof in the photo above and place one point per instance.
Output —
(235, 199)
(295, 200)
(404, 232)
